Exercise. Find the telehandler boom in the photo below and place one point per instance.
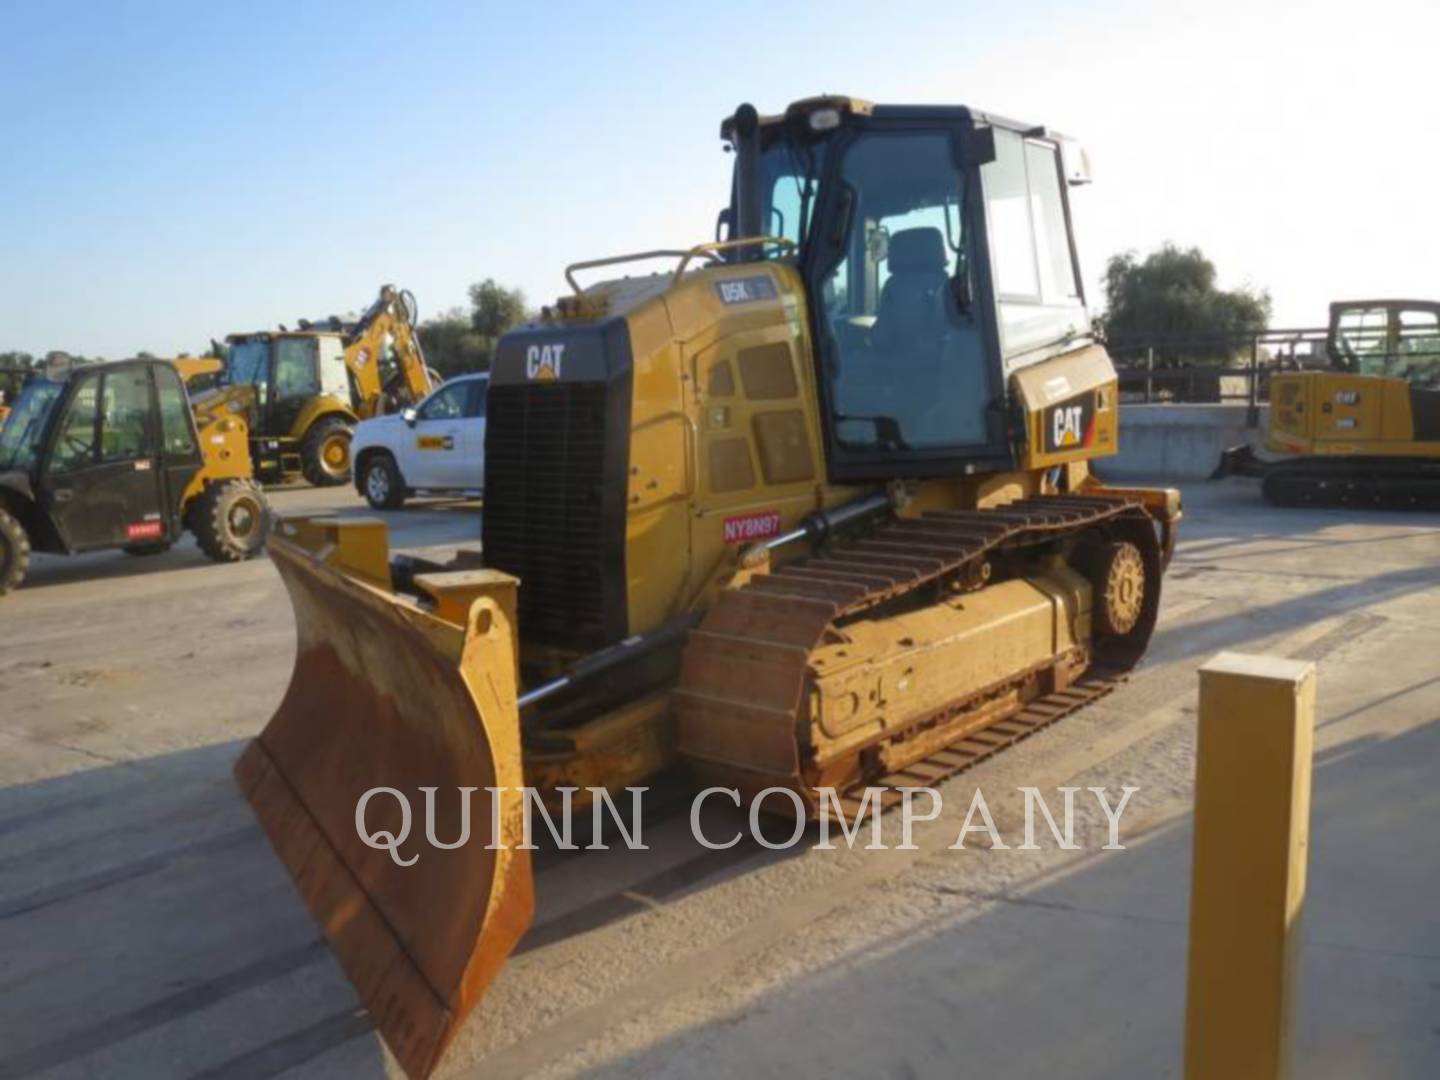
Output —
(812, 510)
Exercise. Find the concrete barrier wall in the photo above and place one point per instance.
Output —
(1177, 442)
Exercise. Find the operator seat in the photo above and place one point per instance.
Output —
(911, 324)
(935, 364)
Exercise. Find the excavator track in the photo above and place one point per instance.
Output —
(743, 701)
(1382, 483)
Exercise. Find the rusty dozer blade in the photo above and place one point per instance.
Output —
(388, 694)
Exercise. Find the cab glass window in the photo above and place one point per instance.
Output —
(75, 441)
(475, 405)
(1012, 241)
(177, 435)
(297, 371)
(125, 415)
(1052, 237)
(1362, 338)
(790, 182)
(1419, 346)
(249, 362)
(907, 368)
(1034, 265)
(23, 430)
(447, 403)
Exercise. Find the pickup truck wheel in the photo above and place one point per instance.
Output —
(230, 520)
(14, 552)
(384, 486)
(325, 452)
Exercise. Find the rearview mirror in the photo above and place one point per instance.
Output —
(409, 415)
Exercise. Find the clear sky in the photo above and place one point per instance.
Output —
(176, 171)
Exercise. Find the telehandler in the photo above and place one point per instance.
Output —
(302, 391)
(109, 455)
(1367, 431)
(811, 511)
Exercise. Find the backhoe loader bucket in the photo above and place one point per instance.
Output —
(389, 694)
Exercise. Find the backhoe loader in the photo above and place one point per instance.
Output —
(302, 391)
(810, 510)
(101, 456)
(1367, 431)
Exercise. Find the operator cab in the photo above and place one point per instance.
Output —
(100, 456)
(936, 247)
(287, 371)
(1395, 338)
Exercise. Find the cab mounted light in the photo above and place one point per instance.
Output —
(827, 119)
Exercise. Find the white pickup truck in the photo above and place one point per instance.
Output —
(436, 447)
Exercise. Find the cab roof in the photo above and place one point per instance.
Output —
(854, 106)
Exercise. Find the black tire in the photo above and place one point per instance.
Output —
(230, 520)
(381, 482)
(319, 451)
(141, 550)
(14, 552)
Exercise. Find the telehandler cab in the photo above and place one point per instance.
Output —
(811, 511)
(109, 455)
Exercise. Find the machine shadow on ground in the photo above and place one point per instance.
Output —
(144, 917)
(1370, 971)
(49, 570)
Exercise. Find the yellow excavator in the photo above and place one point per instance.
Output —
(302, 391)
(810, 510)
(1365, 432)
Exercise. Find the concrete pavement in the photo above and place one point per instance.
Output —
(147, 930)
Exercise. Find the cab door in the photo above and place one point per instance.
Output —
(101, 482)
(433, 458)
(180, 453)
(294, 383)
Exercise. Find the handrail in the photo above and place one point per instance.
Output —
(637, 256)
(712, 248)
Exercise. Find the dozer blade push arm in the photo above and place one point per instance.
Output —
(386, 694)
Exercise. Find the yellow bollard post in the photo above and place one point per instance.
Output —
(1252, 815)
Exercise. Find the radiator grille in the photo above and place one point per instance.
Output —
(545, 518)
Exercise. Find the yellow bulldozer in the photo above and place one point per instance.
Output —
(811, 510)
(302, 391)
(1366, 431)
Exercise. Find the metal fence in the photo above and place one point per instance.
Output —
(1213, 367)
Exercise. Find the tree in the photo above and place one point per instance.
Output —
(496, 309)
(1171, 295)
(451, 344)
(455, 341)
(14, 366)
